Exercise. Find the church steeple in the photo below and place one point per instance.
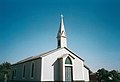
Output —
(61, 37)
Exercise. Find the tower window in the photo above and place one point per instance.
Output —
(59, 43)
(68, 61)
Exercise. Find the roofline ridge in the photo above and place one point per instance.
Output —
(74, 53)
(37, 56)
(50, 52)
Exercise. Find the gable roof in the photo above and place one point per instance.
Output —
(73, 53)
(64, 55)
(37, 56)
(45, 54)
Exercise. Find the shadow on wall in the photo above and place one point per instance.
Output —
(56, 71)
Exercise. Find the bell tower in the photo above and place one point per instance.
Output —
(61, 36)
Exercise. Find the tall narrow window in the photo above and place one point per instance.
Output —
(24, 71)
(32, 70)
(15, 73)
(68, 70)
(68, 61)
(59, 43)
(12, 75)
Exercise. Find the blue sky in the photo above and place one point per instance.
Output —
(29, 27)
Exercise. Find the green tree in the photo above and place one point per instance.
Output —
(5, 70)
(104, 75)
(115, 75)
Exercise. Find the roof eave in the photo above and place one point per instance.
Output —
(74, 53)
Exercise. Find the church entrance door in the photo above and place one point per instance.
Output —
(68, 73)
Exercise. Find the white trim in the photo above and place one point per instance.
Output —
(83, 70)
(42, 63)
(64, 69)
(73, 67)
(68, 65)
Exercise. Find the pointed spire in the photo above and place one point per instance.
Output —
(61, 36)
(61, 29)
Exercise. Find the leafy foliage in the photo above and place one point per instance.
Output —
(4, 69)
(108, 76)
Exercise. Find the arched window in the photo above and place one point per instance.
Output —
(68, 70)
(68, 61)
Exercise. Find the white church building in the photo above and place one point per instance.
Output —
(60, 64)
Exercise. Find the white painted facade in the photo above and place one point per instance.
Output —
(60, 64)
(77, 64)
(86, 74)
